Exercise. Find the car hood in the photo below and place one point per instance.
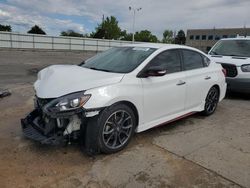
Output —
(238, 61)
(58, 80)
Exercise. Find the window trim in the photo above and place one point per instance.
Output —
(203, 37)
(197, 37)
(178, 54)
(217, 37)
(201, 55)
(210, 37)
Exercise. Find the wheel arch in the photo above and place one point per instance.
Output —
(133, 108)
(217, 87)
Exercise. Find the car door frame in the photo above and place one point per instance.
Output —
(205, 78)
(148, 64)
(177, 50)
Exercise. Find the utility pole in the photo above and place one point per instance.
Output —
(134, 11)
(245, 30)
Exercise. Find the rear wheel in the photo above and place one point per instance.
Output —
(111, 131)
(211, 102)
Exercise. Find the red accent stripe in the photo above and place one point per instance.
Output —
(175, 119)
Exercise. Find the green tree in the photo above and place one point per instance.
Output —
(168, 36)
(5, 28)
(126, 36)
(36, 30)
(145, 36)
(180, 38)
(71, 33)
(108, 29)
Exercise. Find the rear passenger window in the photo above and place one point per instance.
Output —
(192, 60)
(169, 59)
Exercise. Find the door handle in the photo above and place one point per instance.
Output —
(180, 83)
(207, 77)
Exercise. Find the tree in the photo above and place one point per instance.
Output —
(168, 36)
(145, 36)
(36, 30)
(180, 38)
(5, 28)
(126, 36)
(71, 33)
(108, 29)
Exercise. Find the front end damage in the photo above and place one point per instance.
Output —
(55, 128)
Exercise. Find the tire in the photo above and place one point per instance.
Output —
(111, 130)
(211, 101)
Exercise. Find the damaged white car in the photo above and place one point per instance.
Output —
(128, 89)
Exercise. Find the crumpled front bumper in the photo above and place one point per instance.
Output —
(35, 130)
(55, 128)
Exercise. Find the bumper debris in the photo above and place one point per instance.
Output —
(4, 93)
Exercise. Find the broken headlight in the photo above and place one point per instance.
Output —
(67, 103)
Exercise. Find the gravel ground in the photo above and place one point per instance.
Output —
(194, 152)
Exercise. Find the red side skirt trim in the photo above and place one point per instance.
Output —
(175, 119)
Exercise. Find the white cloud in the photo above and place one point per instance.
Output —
(22, 20)
(156, 15)
(3, 13)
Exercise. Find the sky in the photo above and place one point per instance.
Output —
(83, 16)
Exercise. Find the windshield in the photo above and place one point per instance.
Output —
(119, 59)
(232, 48)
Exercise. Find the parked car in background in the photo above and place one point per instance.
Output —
(103, 101)
(234, 55)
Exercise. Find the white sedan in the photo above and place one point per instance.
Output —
(128, 89)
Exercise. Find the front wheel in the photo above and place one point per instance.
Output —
(211, 102)
(111, 131)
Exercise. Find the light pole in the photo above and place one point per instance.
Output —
(134, 11)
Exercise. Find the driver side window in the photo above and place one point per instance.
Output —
(169, 60)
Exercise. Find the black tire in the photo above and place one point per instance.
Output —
(114, 124)
(211, 101)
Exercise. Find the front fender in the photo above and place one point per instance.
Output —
(108, 95)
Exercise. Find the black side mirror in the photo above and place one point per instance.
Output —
(82, 63)
(153, 71)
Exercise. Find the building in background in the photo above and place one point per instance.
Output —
(204, 39)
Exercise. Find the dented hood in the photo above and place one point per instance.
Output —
(58, 80)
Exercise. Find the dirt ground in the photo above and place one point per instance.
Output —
(194, 152)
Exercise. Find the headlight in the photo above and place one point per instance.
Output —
(67, 103)
(245, 68)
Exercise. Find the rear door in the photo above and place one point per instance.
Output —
(164, 95)
(199, 77)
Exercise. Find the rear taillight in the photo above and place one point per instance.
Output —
(224, 72)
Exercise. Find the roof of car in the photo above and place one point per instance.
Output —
(158, 45)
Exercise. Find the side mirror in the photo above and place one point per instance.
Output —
(82, 63)
(153, 71)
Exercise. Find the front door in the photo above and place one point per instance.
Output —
(164, 95)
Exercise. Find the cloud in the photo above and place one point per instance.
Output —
(156, 15)
(3, 13)
(22, 20)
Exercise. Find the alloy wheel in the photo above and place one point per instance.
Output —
(117, 129)
(212, 100)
